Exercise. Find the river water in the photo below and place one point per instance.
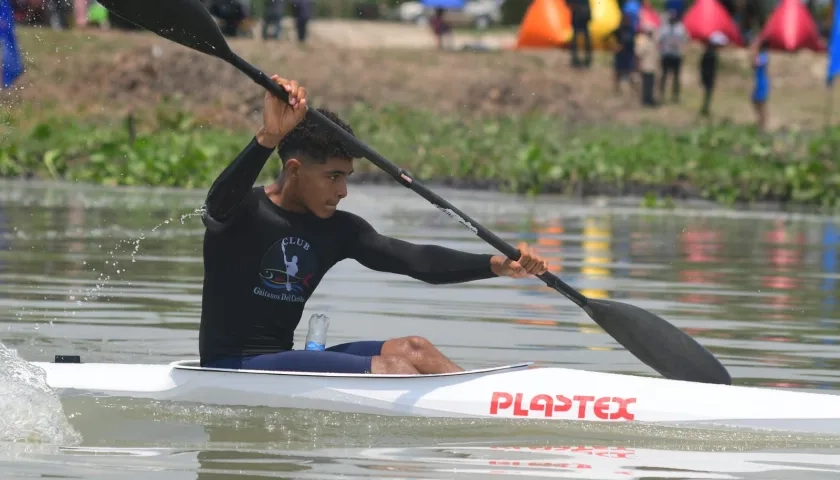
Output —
(115, 275)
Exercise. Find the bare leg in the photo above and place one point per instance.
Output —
(761, 113)
(392, 364)
(422, 355)
(631, 79)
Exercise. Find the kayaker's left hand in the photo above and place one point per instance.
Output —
(529, 263)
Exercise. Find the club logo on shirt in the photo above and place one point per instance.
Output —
(286, 270)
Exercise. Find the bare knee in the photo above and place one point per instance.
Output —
(407, 346)
(392, 364)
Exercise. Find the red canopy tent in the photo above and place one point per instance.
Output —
(791, 27)
(649, 16)
(707, 16)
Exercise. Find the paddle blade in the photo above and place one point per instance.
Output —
(657, 343)
(186, 22)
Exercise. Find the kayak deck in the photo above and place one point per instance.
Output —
(173, 379)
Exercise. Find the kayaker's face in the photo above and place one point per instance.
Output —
(320, 186)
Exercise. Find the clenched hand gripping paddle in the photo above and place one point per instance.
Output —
(654, 341)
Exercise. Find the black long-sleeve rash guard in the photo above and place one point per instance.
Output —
(233, 184)
(262, 262)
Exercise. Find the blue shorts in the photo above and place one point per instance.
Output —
(352, 357)
(761, 92)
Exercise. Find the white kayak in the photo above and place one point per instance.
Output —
(506, 392)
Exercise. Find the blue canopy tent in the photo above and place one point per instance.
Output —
(447, 4)
(11, 60)
(833, 67)
(834, 47)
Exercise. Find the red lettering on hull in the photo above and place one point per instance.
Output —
(545, 405)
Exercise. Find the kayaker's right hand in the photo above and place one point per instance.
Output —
(529, 263)
(279, 117)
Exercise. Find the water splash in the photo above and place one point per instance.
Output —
(31, 410)
(114, 268)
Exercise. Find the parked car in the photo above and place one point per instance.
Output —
(479, 14)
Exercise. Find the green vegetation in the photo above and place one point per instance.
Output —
(175, 153)
(721, 162)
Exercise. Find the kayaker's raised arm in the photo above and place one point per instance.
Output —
(227, 194)
(226, 198)
(432, 263)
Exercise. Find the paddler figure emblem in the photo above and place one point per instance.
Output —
(291, 268)
(288, 266)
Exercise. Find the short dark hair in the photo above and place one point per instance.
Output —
(312, 142)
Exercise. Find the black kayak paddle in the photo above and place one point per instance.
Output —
(654, 341)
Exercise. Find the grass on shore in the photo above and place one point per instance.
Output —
(526, 154)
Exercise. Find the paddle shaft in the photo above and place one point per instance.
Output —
(406, 180)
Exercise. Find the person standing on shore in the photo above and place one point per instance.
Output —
(709, 67)
(672, 39)
(273, 11)
(303, 13)
(624, 62)
(440, 27)
(581, 15)
(648, 54)
(761, 86)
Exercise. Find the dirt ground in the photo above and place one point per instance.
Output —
(109, 73)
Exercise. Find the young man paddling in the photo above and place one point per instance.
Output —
(267, 248)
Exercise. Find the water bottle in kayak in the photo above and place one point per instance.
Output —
(316, 339)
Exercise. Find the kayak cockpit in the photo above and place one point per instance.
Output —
(195, 365)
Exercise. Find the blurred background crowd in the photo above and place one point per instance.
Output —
(246, 17)
(647, 38)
